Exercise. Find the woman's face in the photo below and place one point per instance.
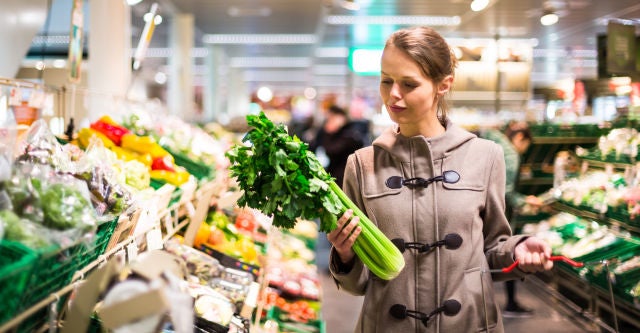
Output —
(408, 95)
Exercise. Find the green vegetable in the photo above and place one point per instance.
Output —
(282, 178)
(64, 207)
(22, 231)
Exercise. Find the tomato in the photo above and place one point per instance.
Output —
(246, 221)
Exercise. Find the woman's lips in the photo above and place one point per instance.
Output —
(394, 108)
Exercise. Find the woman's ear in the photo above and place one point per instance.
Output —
(445, 85)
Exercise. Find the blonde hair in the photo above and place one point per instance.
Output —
(431, 52)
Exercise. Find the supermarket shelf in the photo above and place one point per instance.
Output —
(604, 165)
(598, 302)
(563, 140)
(171, 227)
(547, 283)
(594, 216)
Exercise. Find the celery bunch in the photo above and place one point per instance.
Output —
(283, 179)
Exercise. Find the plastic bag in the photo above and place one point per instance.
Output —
(42, 147)
(109, 197)
(68, 213)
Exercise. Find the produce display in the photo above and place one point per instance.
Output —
(283, 179)
(620, 145)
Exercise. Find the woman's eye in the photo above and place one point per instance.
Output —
(410, 85)
(385, 82)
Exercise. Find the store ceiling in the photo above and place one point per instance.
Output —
(319, 59)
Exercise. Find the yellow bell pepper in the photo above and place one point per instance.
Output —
(144, 145)
(85, 134)
(137, 143)
(107, 119)
(157, 151)
(128, 155)
(176, 178)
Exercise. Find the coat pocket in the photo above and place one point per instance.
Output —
(479, 300)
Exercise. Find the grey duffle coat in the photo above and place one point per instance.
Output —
(473, 207)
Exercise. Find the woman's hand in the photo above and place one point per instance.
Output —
(533, 255)
(344, 235)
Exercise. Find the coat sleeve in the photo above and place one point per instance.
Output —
(352, 279)
(499, 244)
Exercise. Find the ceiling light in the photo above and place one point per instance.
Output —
(391, 20)
(265, 94)
(157, 19)
(133, 2)
(549, 18)
(160, 78)
(259, 39)
(59, 63)
(235, 11)
(478, 5)
(270, 62)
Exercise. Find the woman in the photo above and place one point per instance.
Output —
(445, 285)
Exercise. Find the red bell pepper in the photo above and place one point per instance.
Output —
(111, 131)
(163, 163)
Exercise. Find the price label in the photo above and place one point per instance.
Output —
(15, 97)
(154, 239)
(132, 251)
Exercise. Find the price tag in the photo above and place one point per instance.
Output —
(36, 99)
(132, 251)
(154, 239)
(15, 97)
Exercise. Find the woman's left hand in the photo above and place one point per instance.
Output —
(533, 255)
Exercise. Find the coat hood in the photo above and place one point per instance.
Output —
(391, 141)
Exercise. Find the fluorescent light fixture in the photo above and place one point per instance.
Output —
(549, 18)
(133, 2)
(365, 61)
(50, 40)
(59, 63)
(270, 62)
(275, 76)
(332, 52)
(391, 20)
(478, 5)
(259, 39)
(235, 11)
(330, 70)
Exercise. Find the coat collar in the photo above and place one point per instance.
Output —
(396, 144)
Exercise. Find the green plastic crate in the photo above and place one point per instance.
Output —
(197, 169)
(16, 263)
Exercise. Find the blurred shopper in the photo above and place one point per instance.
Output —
(339, 137)
(515, 141)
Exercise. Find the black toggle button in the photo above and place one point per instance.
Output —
(450, 242)
(449, 177)
(450, 307)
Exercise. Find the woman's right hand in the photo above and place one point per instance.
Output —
(344, 235)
